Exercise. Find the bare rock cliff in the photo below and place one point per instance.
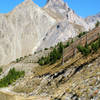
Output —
(22, 30)
(61, 9)
(91, 20)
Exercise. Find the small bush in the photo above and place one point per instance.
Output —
(46, 49)
(97, 24)
(20, 59)
(95, 46)
(67, 44)
(81, 34)
(72, 41)
(35, 52)
(0, 70)
(99, 42)
(17, 60)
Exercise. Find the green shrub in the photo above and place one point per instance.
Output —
(81, 34)
(12, 76)
(72, 41)
(99, 42)
(95, 46)
(41, 61)
(46, 49)
(97, 24)
(17, 60)
(67, 44)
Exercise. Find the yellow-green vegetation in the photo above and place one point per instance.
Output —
(12, 76)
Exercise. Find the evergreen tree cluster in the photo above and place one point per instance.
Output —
(54, 55)
(95, 46)
(12, 76)
(81, 34)
(85, 50)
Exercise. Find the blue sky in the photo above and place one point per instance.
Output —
(81, 7)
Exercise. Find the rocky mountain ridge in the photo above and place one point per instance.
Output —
(29, 28)
(59, 7)
(68, 24)
(91, 20)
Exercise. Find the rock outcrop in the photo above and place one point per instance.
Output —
(91, 20)
(61, 9)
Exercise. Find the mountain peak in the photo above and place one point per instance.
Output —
(27, 1)
(26, 4)
(56, 3)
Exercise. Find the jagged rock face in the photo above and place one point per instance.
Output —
(22, 30)
(62, 10)
(60, 32)
(68, 26)
(91, 20)
(58, 7)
